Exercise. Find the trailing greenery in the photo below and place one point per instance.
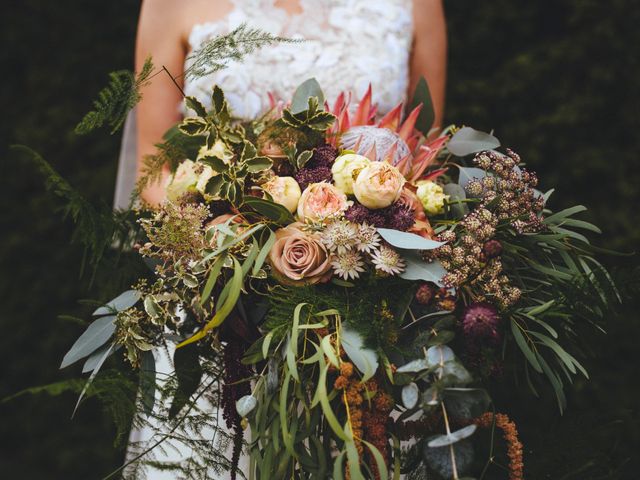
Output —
(116, 100)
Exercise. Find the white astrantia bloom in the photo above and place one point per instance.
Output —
(368, 238)
(387, 260)
(340, 236)
(348, 265)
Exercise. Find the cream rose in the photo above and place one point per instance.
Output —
(184, 179)
(345, 170)
(285, 191)
(321, 201)
(378, 185)
(299, 258)
(431, 196)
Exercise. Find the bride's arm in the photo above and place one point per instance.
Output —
(429, 52)
(160, 35)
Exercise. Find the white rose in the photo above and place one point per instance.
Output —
(432, 196)
(285, 191)
(182, 180)
(378, 185)
(345, 170)
(218, 149)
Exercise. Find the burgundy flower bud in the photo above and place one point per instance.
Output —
(480, 322)
(492, 248)
(424, 295)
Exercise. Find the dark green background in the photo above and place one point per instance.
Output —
(557, 80)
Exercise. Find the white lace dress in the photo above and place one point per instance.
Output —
(348, 44)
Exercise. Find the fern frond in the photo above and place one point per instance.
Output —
(214, 54)
(116, 100)
(95, 228)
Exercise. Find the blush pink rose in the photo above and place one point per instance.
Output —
(299, 258)
(321, 201)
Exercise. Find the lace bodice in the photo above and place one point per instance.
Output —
(348, 44)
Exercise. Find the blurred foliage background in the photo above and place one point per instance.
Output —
(557, 81)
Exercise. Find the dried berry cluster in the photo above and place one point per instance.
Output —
(510, 435)
(375, 420)
(353, 400)
(510, 191)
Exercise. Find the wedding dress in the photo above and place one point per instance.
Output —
(348, 44)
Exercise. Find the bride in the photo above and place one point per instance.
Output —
(348, 45)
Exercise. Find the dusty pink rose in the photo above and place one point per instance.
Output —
(321, 201)
(299, 258)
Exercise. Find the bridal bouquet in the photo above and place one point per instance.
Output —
(342, 287)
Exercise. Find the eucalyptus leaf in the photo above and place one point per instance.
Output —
(95, 358)
(365, 359)
(92, 377)
(309, 88)
(439, 459)
(467, 141)
(456, 196)
(122, 302)
(410, 395)
(94, 337)
(453, 437)
(468, 174)
(405, 240)
(245, 405)
(439, 355)
(417, 269)
(414, 366)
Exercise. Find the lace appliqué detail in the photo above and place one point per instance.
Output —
(348, 44)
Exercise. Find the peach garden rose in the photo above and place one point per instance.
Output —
(378, 185)
(320, 202)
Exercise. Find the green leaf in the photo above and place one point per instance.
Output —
(214, 185)
(188, 374)
(148, 381)
(264, 252)
(524, 347)
(212, 279)
(417, 269)
(193, 126)
(406, 240)
(561, 215)
(308, 88)
(303, 158)
(422, 95)
(217, 164)
(235, 287)
(365, 359)
(271, 210)
(467, 141)
(258, 164)
(94, 337)
(152, 307)
(194, 104)
(122, 302)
